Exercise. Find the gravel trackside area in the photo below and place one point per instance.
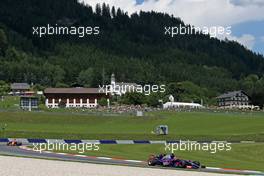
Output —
(11, 166)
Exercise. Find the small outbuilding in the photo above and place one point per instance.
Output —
(162, 130)
(29, 102)
(19, 88)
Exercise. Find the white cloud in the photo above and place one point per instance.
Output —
(247, 40)
(197, 12)
(200, 12)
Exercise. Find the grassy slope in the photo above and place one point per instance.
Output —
(182, 125)
(9, 102)
(241, 156)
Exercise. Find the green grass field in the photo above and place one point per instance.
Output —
(77, 124)
(241, 156)
(9, 102)
(182, 125)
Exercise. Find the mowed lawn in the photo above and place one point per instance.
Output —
(241, 156)
(182, 125)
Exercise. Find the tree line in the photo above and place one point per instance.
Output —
(133, 47)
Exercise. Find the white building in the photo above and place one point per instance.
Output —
(73, 97)
(119, 88)
(171, 105)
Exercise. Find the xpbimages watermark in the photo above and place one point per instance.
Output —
(213, 31)
(212, 147)
(80, 31)
(76, 147)
(120, 89)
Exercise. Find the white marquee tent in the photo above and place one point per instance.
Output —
(182, 105)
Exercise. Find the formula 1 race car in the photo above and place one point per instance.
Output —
(171, 161)
(14, 143)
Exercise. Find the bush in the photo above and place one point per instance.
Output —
(102, 102)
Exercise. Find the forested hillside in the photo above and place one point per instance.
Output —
(133, 47)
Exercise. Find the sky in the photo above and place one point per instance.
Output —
(246, 17)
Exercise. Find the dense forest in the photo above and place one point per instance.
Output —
(133, 47)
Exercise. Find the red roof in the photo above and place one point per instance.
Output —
(79, 90)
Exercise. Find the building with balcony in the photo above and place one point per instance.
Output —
(235, 99)
(73, 97)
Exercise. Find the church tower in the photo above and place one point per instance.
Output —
(112, 79)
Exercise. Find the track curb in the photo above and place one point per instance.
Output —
(69, 141)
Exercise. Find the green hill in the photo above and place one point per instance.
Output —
(133, 47)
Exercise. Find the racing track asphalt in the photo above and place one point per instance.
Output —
(16, 151)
